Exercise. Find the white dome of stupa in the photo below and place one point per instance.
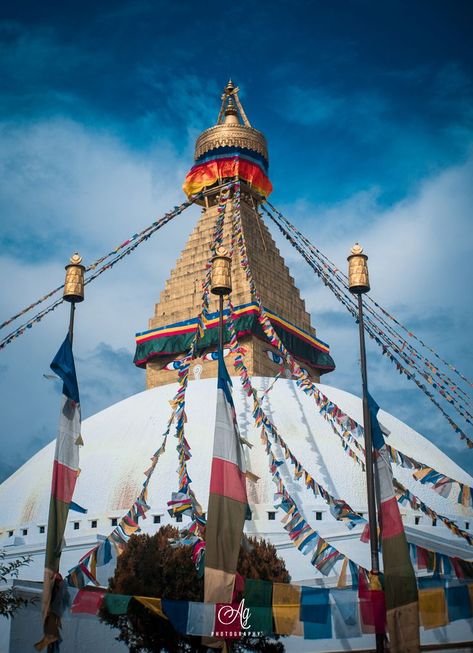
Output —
(119, 441)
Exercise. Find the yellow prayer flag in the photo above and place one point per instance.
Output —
(286, 609)
(154, 605)
(433, 608)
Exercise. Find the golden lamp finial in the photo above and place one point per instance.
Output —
(74, 284)
(358, 279)
(221, 280)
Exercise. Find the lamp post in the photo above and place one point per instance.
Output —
(358, 284)
(221, 284)
(74, 288)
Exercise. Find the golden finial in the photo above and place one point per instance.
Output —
(74, 284)
(221, 281)
(358, 279)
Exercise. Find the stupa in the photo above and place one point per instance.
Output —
(119, 441)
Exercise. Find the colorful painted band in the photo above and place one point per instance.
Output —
(177, 338)
(190, 326)
(206, 174)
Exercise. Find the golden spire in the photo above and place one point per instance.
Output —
(233, 129)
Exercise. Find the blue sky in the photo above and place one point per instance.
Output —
(367, 108)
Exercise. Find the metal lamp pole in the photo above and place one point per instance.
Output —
(74, 288)
(221, 284)
(358, 284)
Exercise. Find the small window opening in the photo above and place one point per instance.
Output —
(93, 523)
(271, 515)
(42, 529)
(417, 521)
(114, 521)
(179, 518)
(24, 531)
(76, 525)
(157, 519)
(318, 516)
(467, 525)
(434, 522)
(10, 533)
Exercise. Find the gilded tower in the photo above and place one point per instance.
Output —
(231, 149)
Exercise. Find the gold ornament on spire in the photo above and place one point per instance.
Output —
(74, 284)
(233, 129)
(358, 279)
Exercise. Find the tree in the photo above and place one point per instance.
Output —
(9, 601)
(151, 566)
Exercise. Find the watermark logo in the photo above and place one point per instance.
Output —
(234, 622)
(228, 615)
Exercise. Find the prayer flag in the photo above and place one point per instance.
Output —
(286, 609)
(400, 587)
(257, 596)
(432, 603)
(201, 619)
(155, 605)
(117, 603)
(345, 613)
(372, 603)
(87, 601)
(178, 613)
(65, 472)
(458, 602)
(316, 613)
(227, 498)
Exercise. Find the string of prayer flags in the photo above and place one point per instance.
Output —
(99, 564)
(127, 246)
(406, 496)
(325, 266)
(374, 323)
(287, 609)
(338, 507)
(184, 501)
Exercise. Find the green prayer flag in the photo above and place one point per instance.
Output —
(117, 603)
(258, 599)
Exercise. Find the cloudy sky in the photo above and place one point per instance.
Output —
(367, 108)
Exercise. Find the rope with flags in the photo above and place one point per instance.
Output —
(128, 246)
(337, 283)
(331, 267)
(184, 501)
